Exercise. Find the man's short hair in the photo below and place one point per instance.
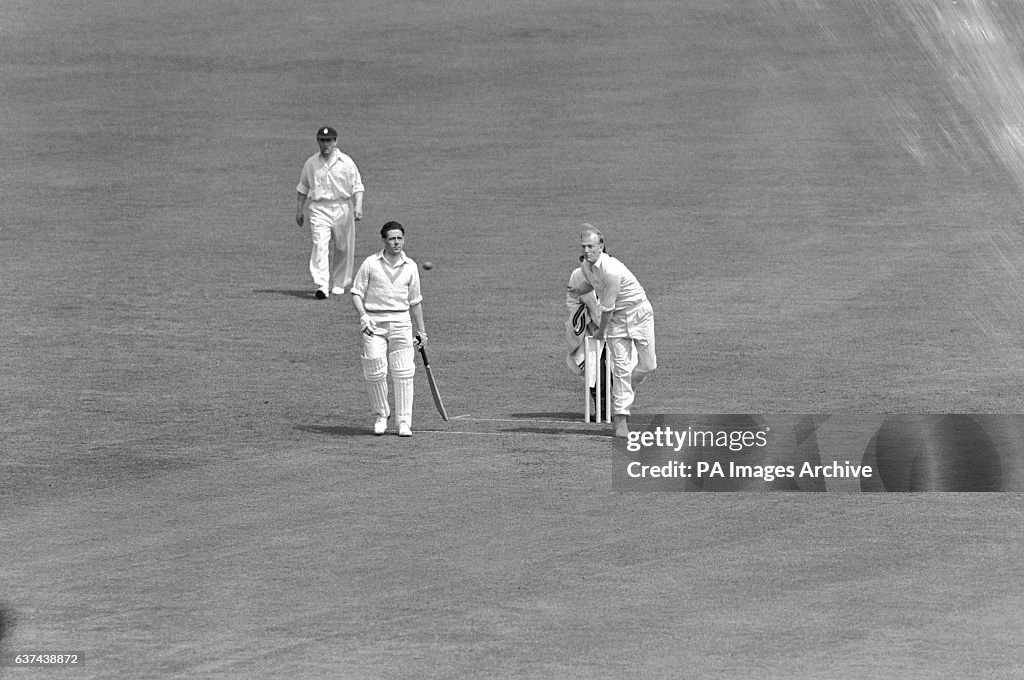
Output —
(388, 226)
(589, 229)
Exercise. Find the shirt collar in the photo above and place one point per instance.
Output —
(402, 259)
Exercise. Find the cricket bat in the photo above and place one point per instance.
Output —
(433, 385)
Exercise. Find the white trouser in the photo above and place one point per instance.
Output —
(390, 346)
(628, 331)
(332, 221)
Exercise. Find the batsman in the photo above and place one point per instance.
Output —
(386, 294)
(625, 321)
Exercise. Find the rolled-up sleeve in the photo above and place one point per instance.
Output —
(415, 297)
(304, 180)
(362, 279)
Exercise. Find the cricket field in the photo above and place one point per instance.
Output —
(822, 198)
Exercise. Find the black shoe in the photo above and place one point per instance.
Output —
(320, 294)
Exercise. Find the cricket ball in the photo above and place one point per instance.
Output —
(428, 265)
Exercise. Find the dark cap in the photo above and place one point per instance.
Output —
(326, 133)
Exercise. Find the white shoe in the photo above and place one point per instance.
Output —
(621, 427)
(380, 426)
(404, 430)
(337, 290)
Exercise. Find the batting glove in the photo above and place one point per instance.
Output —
(421, 339)
(367, 325)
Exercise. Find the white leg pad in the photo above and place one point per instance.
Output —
(376, 372)
(375, 369)
(403, 369)
(403, 363)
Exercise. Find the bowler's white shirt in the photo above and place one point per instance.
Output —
(616, 287)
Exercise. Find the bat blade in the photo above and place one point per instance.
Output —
(433, 385)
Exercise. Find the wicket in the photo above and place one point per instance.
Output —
(593, 349)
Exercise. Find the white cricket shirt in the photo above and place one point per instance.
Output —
(388, 291)
(616, 287)
(334, 179)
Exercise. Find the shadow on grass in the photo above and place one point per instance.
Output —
(582, 429)
(569, 416)
(337, 430)
(303, 294)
